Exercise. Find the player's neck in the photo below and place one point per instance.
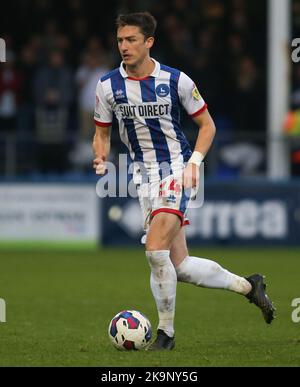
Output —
(141, 70)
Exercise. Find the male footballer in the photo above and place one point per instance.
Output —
(145, 96)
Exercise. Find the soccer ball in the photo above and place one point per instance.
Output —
(130, 330)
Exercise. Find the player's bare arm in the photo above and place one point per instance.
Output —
(205, 138)
(101, 148)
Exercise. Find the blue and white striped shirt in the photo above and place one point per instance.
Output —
(147, 110)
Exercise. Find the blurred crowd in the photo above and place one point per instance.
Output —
(292, 121)
(56, 52)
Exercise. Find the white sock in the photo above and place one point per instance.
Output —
(163, 283)
(209, 274)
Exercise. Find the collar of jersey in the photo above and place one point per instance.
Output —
(154, 73)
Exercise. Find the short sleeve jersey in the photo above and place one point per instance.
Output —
(148, 111)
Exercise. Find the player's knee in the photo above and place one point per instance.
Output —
(155, 244)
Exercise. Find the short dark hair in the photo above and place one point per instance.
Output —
(144, 20)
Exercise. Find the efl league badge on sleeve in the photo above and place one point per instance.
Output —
(196, 94)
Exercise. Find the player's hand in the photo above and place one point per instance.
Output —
(191, 176)
(99, 165)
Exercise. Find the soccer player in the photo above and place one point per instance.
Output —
(145, 97)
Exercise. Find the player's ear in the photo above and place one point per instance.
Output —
(149, 42)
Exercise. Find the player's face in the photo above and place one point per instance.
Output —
(132, 45)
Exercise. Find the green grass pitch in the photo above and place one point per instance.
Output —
(59, 305)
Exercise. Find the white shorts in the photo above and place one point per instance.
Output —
(159, 192)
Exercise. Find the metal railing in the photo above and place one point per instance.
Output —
(20, 152)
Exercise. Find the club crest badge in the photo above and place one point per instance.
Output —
(162, 90)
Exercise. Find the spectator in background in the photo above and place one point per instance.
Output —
(295, 96)
(292, 122)
(211, 38)
(244, 157)
(53, 91)
(80, 34)
(53, 84)
(93, 67)
(26, 113)
(10, 87)
(87, 76)
(49, 39)
(248, 97)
